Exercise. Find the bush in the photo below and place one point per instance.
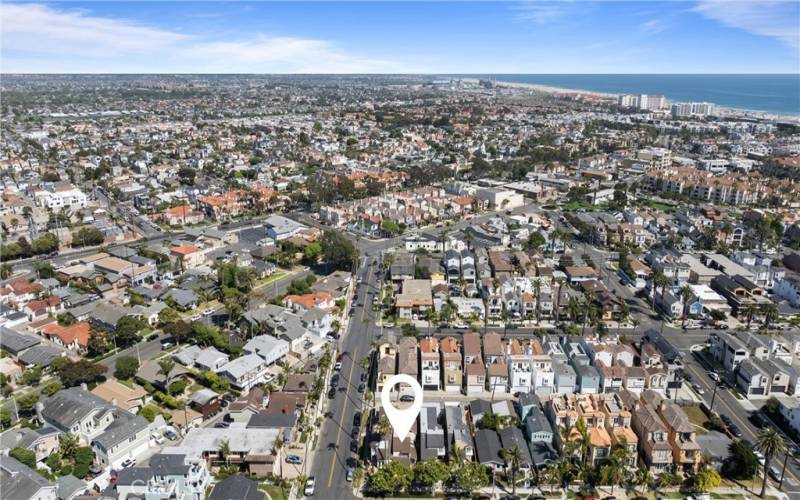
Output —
(176, 388)
(214, 382)
(53, 462)
(168, 401)
(83, 460)
(25, 456)
(149, 412)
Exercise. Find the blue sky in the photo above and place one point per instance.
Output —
(702, 36)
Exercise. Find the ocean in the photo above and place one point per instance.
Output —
(773, 93)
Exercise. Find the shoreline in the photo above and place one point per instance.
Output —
(560, 91)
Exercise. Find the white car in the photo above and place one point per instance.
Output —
(158, 438)
(338, 366)
(309, 489)
(208, 312)
(714, 376)
(197, 317)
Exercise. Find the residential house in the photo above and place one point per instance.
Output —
(114, 434)
(430, 363)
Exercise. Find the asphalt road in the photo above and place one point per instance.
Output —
(333, 448)
(725, 403)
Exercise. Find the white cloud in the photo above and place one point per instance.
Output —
(775, 19)
(539, 12)
(38, 38)
(652, 27)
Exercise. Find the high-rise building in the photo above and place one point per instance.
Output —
(693, 109)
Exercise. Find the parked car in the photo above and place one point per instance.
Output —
(332, 393)
(197, 317)
(354, 433)
(294, 459)
(222, 425)
(208, 312)
(167, 343)
(734, 430)
(714, 376)
(338, 366)
(774, 472)
(128, 462)
(152, 336)
(362, 387)
(357, 418)
(407, 398)
(171, 435)
(158, 438)
(309, 489)
(354, 446)
(350, 473)
(363, 376)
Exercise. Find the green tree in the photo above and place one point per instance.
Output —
(431, 472)
(770, 443)
(126, 367)
(312, 253)
(32, 376)
(392, 478)
(168, 315)
(535, 241)
(26, 403)
(52, 387)
(127, 331)
(471, 476)
(338, 251)
(74, 373)
(5, 418)
(6, 270)
(24, 455)
(707, 479)
(770, 313)
(165, 367)
(513, 459)
(741, 463)
(68, 445)
(87, 236)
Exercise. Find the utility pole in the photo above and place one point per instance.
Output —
(713, 397)
(783, 471)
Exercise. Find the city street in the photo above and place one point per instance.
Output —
(333, 447)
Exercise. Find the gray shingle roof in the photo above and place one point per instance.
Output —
(18, 481)
(15, 342)
(236, 488)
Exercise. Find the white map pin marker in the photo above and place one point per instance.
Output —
(402, 420)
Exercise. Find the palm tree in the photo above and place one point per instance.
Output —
(583, 430)
(165, 367)
(660, 280)
(573, 309)
(613, 470)
(276, 446)
(770, 443)
(643, 478)
(68, 445)
(749, 311)
(635, 322)
(770, 313)
(383, 427)
(537, 287)
(560, 283)
(225, 449)
(513, 459)
(686, 295)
